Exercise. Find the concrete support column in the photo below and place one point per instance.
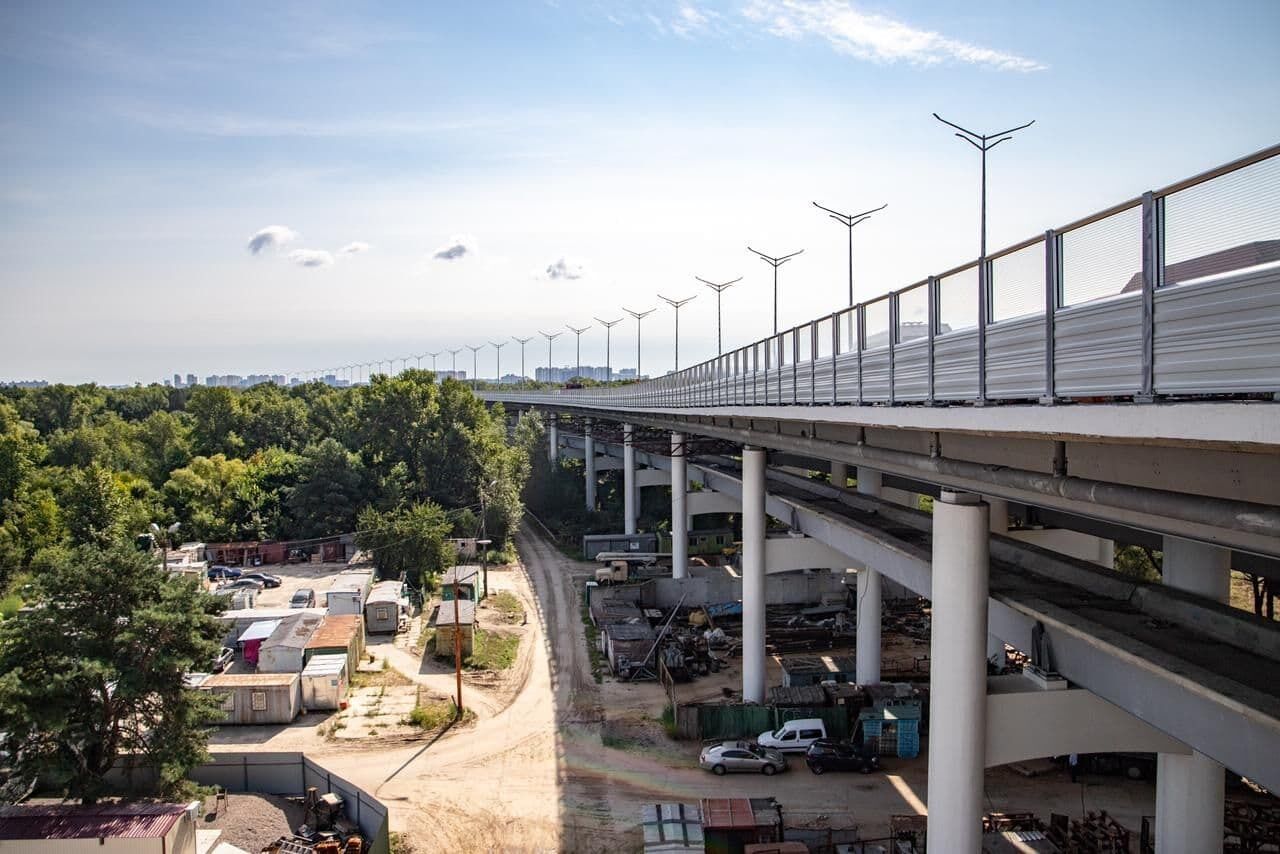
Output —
(839, 474)
(679, 512)
(999, 514)
(589, 465)
(1190, 790)
(628, 480)
(753, 530)
(958, 673)
(553, 441)
(868, 481)
(867, 646)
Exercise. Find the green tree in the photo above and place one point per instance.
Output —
(209, 495)
(95, 671)
(165, 443)
(269, 417)
(409, 541)
(216, 414)
(94, 506)
(61, 407)
(20, 451)
(332, 486)
(135, 404)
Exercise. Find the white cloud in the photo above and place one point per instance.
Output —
(563, 268)
(271, 237)
(458, 247)
(311, 257)
(354, 248)
(875, 38)
(690, 20)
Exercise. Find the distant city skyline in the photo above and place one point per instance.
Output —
(321, 187)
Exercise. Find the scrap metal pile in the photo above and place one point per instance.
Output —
(325, 829)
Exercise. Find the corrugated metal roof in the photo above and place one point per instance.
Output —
(727, 813)
(294, 632)
(68, 821)
(465, 575)
(321, 665)
(444, 613)
(243, 680)
(385, 591)
(336, 630)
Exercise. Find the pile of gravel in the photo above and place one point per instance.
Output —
(253, 821)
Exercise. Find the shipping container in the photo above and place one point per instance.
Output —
(384, 607)
(256, 698)
(349, 592)
(324, 682)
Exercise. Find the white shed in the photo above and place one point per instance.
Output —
(384, 606)
(283, 651)
(324, 682)
(349, 592)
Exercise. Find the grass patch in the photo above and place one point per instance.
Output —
(386, 677)
(492, 651)
(432, 715)
(508, 606)
(9, 606)
(593, 643)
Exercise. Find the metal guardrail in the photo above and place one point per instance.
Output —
(1173, 293)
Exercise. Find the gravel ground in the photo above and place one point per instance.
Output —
(252, 821)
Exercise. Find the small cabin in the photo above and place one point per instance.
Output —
(444, 621)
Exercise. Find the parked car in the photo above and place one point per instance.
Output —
(268, 580)
(242, 584)
(741, 756)
(827, 754)
(794, 736)
(303, 597)
(220, 572)
(224, 658)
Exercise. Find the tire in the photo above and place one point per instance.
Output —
(817, 769)
(768, 770)
(718, 770)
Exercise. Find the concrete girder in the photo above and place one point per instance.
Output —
(709, 501)
(652, 477)
(786, 554)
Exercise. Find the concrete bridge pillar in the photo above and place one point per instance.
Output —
(589, 464)
(999, 525)
(753, 569)
(958, 673)
(628, 480)
(1190, 789)
(839, 474)
(679, 513)
(553, 441)
(870, 597)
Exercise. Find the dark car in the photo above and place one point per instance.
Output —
(830, 755)
(219, 572)
(225, 656)
(267, 579)
(303, 597)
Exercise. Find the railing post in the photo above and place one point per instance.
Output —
(813, 362)
(1152, 258)
(893, 337)
(835, 360)
(862, 328)
(795, 365)
(1052, 291)
(984, 294)
(931, 321)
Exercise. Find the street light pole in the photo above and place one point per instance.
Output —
(676, 303)
(578, 332)
(497, 367)
(475, 364)
(849, 221)
(550, 337)
(775, 262)
(522, 342)
(719, 289)
(608, 346)
(984, 143)
(455, 361)
(639, 316)
(433, 362)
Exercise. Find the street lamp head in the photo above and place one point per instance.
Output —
(719, 288)
(639, 315)
(676, 303)
(609, 324)
(577, 331)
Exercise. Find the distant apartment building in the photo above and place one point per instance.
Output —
(192, 381)
(461, 376)
(588, 372)
(28, 383)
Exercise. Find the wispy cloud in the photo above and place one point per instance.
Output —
(311, 257)
(354, 248)
(563, 268)
(271, 237)
(458, 247)
(873, 37)
(690, 20)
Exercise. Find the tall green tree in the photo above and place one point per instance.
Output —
(216, 414)
(332, 486)
(94, 506)
(95, 671)
(408, 541)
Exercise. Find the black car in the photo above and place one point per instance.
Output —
(267, 579)
(830, 755)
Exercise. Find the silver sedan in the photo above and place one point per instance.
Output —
(741, 756)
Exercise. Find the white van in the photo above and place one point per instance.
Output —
(794, 735)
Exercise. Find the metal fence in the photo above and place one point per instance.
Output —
(1173, 293)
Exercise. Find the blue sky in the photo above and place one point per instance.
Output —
(627, 147)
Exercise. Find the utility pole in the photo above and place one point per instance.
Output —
(522, 342)
(475, 364)
(578, 332)
(497, 348)
(550, 337)
(676, 303)
(849, 221)
(775, 263)
(639, 316)
(984, 143)
(719, 289)
(608, 347)
(457, 640)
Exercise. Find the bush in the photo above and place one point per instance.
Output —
(492, 651)
(10, 605)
